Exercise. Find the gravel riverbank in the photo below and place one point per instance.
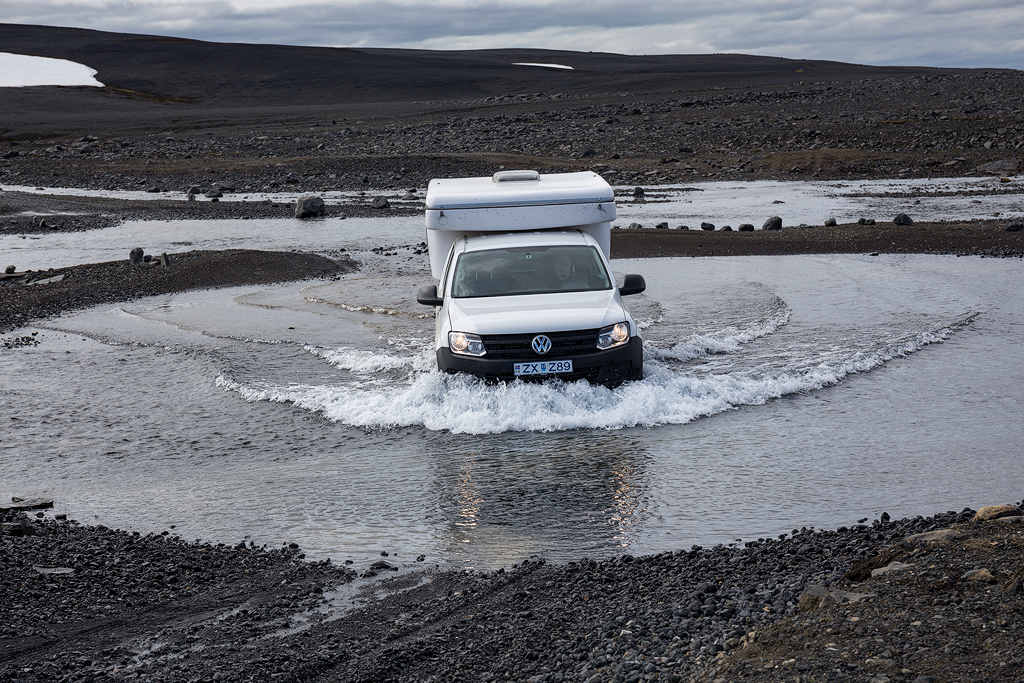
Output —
(28, 296)
(90, 603)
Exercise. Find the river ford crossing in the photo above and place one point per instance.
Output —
(781, 392)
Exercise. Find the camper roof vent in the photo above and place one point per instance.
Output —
(515, 176)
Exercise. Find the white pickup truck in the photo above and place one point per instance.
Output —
(525, 288)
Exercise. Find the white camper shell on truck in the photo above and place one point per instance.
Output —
(525, 289)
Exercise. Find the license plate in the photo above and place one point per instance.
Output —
(544, 367)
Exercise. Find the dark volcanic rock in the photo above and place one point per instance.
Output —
(773, 223)
(309, 207)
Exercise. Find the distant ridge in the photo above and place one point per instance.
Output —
(232, 74)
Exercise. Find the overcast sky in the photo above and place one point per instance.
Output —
(968, 33)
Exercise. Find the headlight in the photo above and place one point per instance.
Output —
(613, 335)
(466, 344)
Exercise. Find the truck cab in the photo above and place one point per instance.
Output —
(525, 288)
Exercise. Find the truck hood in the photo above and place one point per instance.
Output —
(536, 312)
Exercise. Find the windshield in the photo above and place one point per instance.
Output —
(529, 270)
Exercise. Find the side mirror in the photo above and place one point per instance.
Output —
(633, 284)
(428, 296)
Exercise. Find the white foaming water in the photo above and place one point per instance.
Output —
(19, 71)
(461, 404)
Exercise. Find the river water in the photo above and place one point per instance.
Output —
(780, 393)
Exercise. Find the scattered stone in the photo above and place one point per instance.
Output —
(28, 504)
(865, 221)
(22, 527)
(815, 596)
(707, 226)
(902, 219)
(638, 193)
(746, 227)
(634, 226)
(213, 193)
(830, 223)
(998, 166)
(662, 226)
(11, 270)
(940, 536)
(995, 512)
(309, 206)
(47, 280)
(773, 223)
(1014, 227)
(891, 567)
(979, 575)
(380, 203)
(136, 256)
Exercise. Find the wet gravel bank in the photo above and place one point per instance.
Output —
(26, 213)
(83, 603)
(32, 295)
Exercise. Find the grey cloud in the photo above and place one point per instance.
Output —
(971, 33)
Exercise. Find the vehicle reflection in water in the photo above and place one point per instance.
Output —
(558, 495)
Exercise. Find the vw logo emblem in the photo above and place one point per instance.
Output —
(541, 344)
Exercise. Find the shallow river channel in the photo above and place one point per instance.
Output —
(780, 393)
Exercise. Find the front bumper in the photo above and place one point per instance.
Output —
(610, 368)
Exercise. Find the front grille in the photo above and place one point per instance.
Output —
(573, 342)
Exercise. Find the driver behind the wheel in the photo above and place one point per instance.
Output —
(563, 268)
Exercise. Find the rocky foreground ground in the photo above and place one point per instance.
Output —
(923, 600)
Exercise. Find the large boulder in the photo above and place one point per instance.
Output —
(998, 166)
(773, 223)
(380, 203)
(310, 206)
(902, 219)
(995, 512)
